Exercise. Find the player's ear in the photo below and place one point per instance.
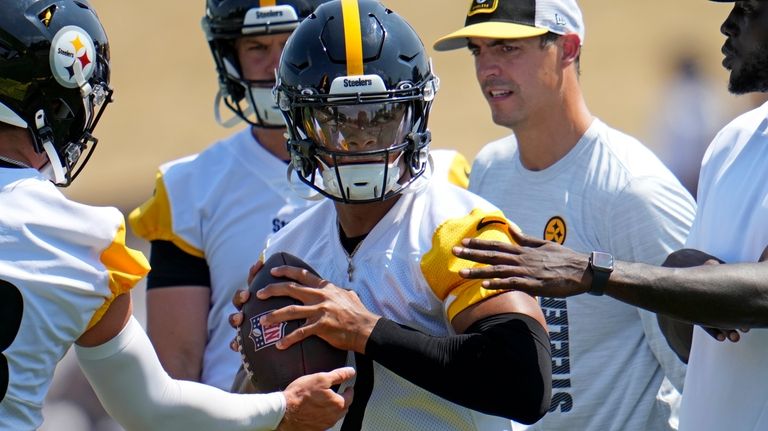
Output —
(571, 48)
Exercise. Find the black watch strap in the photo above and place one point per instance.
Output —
(601, 266)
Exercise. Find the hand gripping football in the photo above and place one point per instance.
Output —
(271, 369)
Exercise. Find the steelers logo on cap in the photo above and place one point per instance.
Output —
(555, 230)
(72, 56)
(483, 6)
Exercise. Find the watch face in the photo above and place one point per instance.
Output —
(602, 261)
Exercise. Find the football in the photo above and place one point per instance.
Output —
(271, 369)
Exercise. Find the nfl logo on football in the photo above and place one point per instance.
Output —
(264, 336)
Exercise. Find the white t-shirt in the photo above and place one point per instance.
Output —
(222, 205)
(404, 270)
(68, 262)
(727, 383)
(609, 193)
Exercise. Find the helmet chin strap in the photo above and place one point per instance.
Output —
(302, 193)
(53, 169)
(231, 122)
(264, 100)
(271, 116)
(423, 180)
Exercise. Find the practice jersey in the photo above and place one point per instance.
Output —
(404, 270)
(61, 265)
(609, 193)
(727, 383)
(220, 206)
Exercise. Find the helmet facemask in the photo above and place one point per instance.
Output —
(250, 100)
(359, 148)
(355, 86)
(67, 159)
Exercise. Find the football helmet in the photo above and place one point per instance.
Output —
(355, 85)
(227, 20)
(54, 78)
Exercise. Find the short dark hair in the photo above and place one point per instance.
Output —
(549, 38)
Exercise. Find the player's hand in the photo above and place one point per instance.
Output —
(334, 314)
(688, 257)
(537, 267)
(236, 319)
(311, 404)
(238, 300)
(732, 335)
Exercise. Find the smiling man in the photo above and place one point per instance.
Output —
(567, 177)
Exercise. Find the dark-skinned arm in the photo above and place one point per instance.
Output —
(679, 334)
(721, 296)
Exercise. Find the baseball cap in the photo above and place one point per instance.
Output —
(515, 19)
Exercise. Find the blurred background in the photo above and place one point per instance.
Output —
(649, 68)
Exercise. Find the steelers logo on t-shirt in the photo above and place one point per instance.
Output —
(555, 230)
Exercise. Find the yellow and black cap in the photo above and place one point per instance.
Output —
(515, 19)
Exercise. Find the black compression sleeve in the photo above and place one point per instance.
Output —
(501, 366)
(172, 266)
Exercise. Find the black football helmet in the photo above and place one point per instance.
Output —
(223, 23)
(355, 86)
(54, 78)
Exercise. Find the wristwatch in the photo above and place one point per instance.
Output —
(601, 265)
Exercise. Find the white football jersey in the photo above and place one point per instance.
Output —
(61, 265)
(405, 271)
(221, 205)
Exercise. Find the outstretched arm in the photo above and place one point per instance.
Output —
(721, 296)
(119, 362)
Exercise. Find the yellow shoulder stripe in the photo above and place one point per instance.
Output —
(153, 221)
(125, 267)
(458, 173)
(441, 268)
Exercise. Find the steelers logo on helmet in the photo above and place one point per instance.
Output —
(270, 19)
(355, 86)
(72, 56)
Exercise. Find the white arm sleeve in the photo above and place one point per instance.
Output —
(135, 390)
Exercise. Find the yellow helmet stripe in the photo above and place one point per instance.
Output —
(265, 3)
(353, 39)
